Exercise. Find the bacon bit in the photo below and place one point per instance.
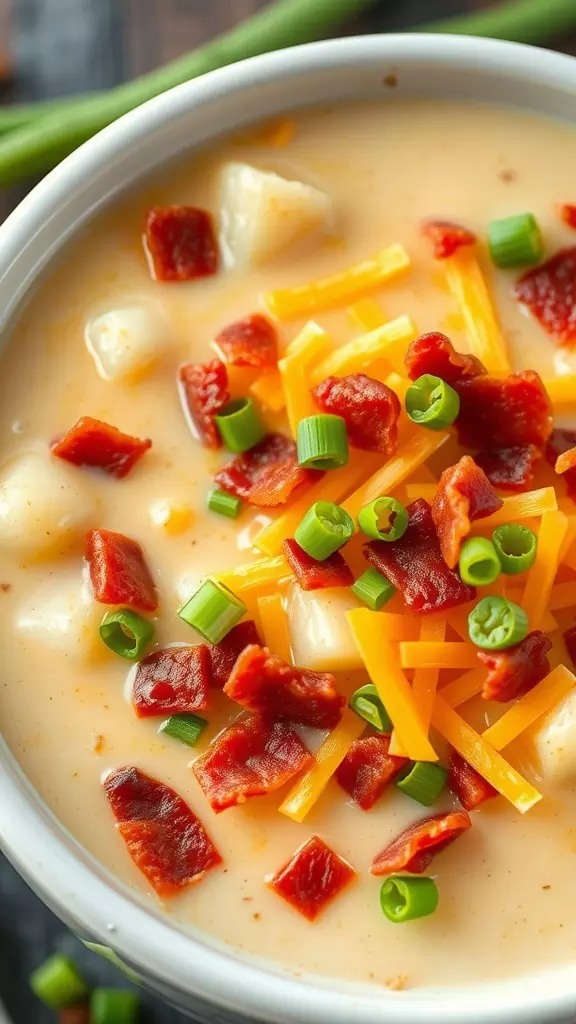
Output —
(369, 408)
(415, 566)
(79, 1014)
(165, 839)
(223, 655)
(267, 474)
(568, 214)
(263, 683)
(446, 237)
(5, 587)
(570, 641)
(511, 469)
(91, 442)
(251, 757)
(173, 681)
(180, 243)
(561, 441)
(464, 494)
(566, 461)
(549, 292)
(97, 743)
(515, 671)
(204, 393)
(414, 849)
(313, 575)
(249, 342)
(495, 414)
(368, 769)
(312, 878)
(468, 785)
(434, 353)
(118, 572)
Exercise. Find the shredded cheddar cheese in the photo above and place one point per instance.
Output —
(468, 286)
(274, 622)
(267, 389)
(260, 575)
(541, 576)
(523, 506)
(398, 627)
(367, 314)
(432, 630)
(459, 690)
(565, 461)
(308, 347)
(542, 698)
(561, 390)
(437, 654)
(386, 342)
(563, 596)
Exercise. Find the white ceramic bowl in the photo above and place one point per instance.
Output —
(209, 981)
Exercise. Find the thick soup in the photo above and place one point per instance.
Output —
(287, 547)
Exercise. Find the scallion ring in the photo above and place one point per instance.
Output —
(423, 781)
(322, 442)
(114, 1006)
(496, 624)
(432, 403)
(373, 589)
(404, 898)
(383, 519)
(224, 504)
(187, 728)
(57, 982)
(478, 564)
(516, 547)
(213, 611)
(366, 703)
(324, 529)
(126, 633)
(239, 425)
(515, 241)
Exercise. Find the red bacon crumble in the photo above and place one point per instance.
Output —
(549, 292)
(570, 641)
(173, 681)
(464, 494)
(267, 474)
(118, 572)
(446, 237)
(415, 566)
(561, 441)
(515, 671)
(368, 769)
(506, 413)
(435, 354)
(204, 393)
(568, 214)
(249, 342)
(180, 243)
(415, 848)
(468, 785)
(314, 575)
(510, 469)
(91, 442)
(79, 1014)
(263, 683)
(369, 408)
(223, 655)
(312, 878)
(251, 757)
(165, 839)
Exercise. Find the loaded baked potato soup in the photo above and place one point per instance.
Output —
(288, 542)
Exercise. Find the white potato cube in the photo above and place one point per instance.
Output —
(125, 342)
(319, 632)
(261, 214)
(43, 502)
(63, 615)
(555, 742)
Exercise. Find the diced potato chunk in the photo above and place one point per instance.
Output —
(63, 615)
(125, 342)
(43, 503)
(319, 633)
(261, 214)
(555, 742)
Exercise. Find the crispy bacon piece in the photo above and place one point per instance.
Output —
(446, 237)
(204, 393)
(468, 785)
(223, 655)
(464, 494)
(369, 408)
(312, 878)
(495, 414)
(249, 342)
(568, 214)
(91, 442)
(313, 575)
(368, 769)
(180, 243)
(561, 441)
(172, 681)
(263, 683)
(415, 566)
(511, 469)
(515, 671)
(570, 642)
(434, 353)
(77, 1014)
(165, 839)
(414, 849)
(118, 572)
(549, 292)
(251, 757)
(267, 474)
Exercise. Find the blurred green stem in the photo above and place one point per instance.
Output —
(524, 21)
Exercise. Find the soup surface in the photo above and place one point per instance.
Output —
(65, 699)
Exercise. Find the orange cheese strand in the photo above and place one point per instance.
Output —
(541, 576)
(565, 461)
(523, 506)
(563, 596)
(423, 490)
(267, 389)
(433, 629)
(367, 314)
(545, 695)
(274, 623)
(386, 342)
(561, 390)
(436, 654)
(308, 347)
(260, 575)
(468, 286)
(398, 627)
(459, 690)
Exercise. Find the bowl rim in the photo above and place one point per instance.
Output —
(55, 864)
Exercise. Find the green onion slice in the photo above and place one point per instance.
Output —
(383, 519)
(57, 982)
(322, 442)
(367, 704)
(186, 728)
(515, 241)
(496, 624)
(423, 781)
(126, 633)
(373, 589)
(324, 529)
(404, 898)
(516, 547)
(479, 564)
(114, 1006)
(239, 425)
(225, 504)
(432, 403)
(213, 611)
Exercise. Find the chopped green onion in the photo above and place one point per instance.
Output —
(186, 728)
(496, 624)
(479, 564)
(373, 588)
(225, 504)
(324, 529)
(114, 1006)
(322, 442)
(515, 241)
(126, 633)
(57, 982)
(405, 899)
(367, 704)
(432, 403)
(213, 611)
(516, 547)
(423, 781)
(383, 519)
(239, 425)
